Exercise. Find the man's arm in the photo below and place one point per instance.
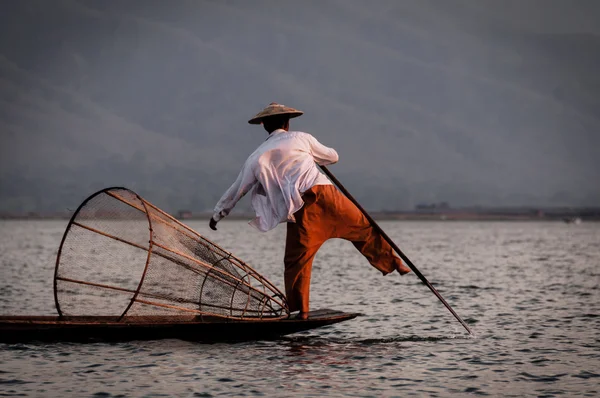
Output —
(323, 155)
(244, 182)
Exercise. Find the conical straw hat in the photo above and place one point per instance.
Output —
(274, 109)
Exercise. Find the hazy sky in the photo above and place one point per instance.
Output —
(474, 103)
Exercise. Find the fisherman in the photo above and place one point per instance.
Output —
(287, 186)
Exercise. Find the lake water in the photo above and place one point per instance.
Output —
(530, 291)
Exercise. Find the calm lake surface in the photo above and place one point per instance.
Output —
(530, 291)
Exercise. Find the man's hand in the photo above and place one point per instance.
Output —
(212, 224)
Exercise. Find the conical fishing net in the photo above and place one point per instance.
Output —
(122, 256)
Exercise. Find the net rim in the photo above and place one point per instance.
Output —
(68, 229)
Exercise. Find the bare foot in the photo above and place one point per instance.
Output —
(302, 316)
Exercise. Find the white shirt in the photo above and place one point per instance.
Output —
(280, 170)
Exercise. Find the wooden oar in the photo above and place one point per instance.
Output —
(394, 246)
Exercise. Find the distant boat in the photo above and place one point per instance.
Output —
(572, 220)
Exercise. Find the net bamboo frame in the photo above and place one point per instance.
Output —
(120, 255)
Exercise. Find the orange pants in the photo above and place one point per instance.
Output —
(327, 214)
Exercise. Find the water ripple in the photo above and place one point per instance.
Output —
(536, 329)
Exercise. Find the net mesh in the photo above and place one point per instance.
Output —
(122, 256)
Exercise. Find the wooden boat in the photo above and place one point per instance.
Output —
(21, 329)
(126, 270)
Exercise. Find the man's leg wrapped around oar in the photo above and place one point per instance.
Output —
(327, 214)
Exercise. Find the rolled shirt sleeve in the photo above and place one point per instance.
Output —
(322, 154)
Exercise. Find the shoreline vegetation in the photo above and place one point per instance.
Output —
(565, 214)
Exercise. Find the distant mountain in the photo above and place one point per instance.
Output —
(490, 103)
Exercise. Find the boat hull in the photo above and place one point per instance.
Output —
(19, 329)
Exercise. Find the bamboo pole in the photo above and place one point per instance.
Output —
(154, 295)
(202, 312)
(199, 239)
(192, 259)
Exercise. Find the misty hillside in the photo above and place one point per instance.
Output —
(489, 103)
